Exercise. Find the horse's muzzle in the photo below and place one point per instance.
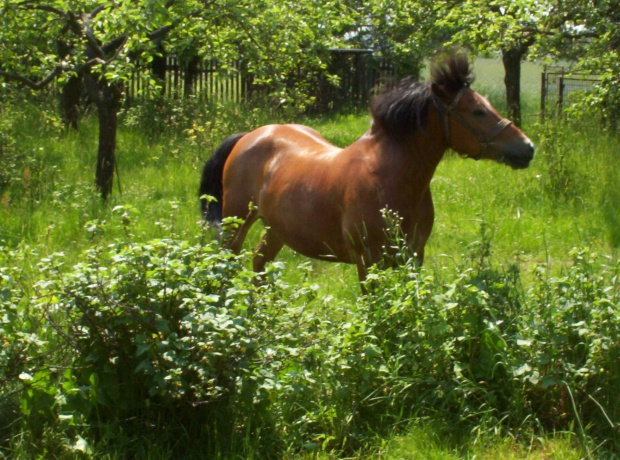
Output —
(518, 158)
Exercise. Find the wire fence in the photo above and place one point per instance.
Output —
(560, 89)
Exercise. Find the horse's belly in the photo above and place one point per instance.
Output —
(321, 249)
(309, 227)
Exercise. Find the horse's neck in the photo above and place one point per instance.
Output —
(411, 162)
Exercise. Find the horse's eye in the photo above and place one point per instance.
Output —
(479, 113)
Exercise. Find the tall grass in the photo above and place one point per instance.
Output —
(567, 198)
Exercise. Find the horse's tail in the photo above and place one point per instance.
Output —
(211, 182)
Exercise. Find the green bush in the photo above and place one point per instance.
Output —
(155, 332)
(482, 349)
(177, 345)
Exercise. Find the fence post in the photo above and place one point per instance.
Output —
(560, 94)
(543, 94)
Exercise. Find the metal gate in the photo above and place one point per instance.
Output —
(560, 89)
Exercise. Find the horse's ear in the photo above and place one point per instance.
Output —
(439, 91)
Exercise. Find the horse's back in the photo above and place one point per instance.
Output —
(294, 178)
(279, 139)
(275, 150)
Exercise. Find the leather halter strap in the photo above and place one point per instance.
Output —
(484, 139)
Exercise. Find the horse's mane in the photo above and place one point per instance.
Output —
(404, 108)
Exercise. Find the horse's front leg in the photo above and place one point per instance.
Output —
(362, 272)
(424, 225)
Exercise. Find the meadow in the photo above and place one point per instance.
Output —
(128, 332)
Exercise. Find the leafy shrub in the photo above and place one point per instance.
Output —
(177, 344)
(22, 342)
(452, 344)
(574, 346)
(202, 121)
(19, 327)
(153, 329)
(481, 349)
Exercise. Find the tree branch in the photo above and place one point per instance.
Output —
(118, 46)
(96, 11)
(30, 5)
(30, 83)
(79, 24)
(163, 31)
(114, 45)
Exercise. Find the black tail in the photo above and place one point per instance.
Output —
(211, 183)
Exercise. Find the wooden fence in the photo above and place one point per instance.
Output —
(204, 78)
(560, 89)
(357, 72)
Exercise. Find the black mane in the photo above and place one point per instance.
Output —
(453, 73)
(404, 109)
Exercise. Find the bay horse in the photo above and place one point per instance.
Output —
(325, 202)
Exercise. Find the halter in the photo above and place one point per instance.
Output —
(483, 139)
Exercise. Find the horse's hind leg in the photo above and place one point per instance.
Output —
(235, 242)
(266, 251)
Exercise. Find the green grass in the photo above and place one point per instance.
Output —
(568, 198)
(425, 443)
(490, 82)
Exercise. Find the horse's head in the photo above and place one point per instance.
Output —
(472, 126)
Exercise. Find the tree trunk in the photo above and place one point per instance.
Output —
(70, 101)
(511, 58)
(191, 74)
(107, 97)
(71, 92)
(158, 68)
(108, 107)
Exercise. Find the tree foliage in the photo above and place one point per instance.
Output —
(586, 31)
(599, 53)
(99, 43)
(402, 31)
(65, 37)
